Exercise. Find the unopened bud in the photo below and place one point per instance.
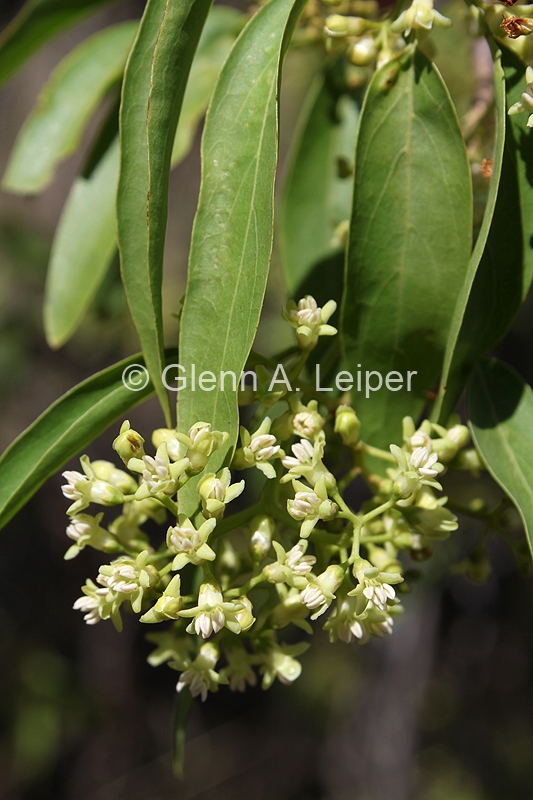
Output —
(338, 26)
(405, 485)
(262, 529)
(363, 52)
(129, 443)
(468, 459)
(347, 425)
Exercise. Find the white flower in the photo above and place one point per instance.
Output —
(279, 662)
(378, 594)
(310, 320)
(168, 605)
(415, 470)
(212, 619)
(312, 596)
(310, 506)
(85, 530)
(421, 439)
(189, 543)
(320, 591)
(303, 505)
(156, 474)
(89, 606)
(201, 677)
(257, 449)
(291, 567)
(69, 489)
(264, 447)
(303, 454)
(299, 563)
(201, 443)
(84, 488)
(423, 462)
(308, 424)
(373, 586)
(127, 579)
(344, 623)
(420, 16)
(212, 613)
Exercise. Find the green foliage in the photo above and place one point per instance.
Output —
(500, 413)
(410, 237)
(86, 238)
(84, 246)
(36, 23)
(451, 385)
(152, 94)
(68, 101)
(504, 257)
(69, 425)
(376, 216)
(232, 236)
(321, 163)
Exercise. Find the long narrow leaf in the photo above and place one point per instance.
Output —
(65, 428)
(410, 242)
(86, 239)
(79, 262)
(154, 85)
(500, 414)
(232, 236)
(317, 194)
(36, 23)
(505, 271)
(76, 87)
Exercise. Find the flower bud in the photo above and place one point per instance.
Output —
(308, 423)
(288, 611)
(468, 459)
(405, 485)
(381, 559)
(338, 26)
(459, 435)
(129, 443)
(245, 618)
(106, 471)
(347, 425)
(363, 52)
(262, 529)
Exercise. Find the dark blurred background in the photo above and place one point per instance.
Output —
(442, 710)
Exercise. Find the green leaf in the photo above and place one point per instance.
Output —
(221, 29)
(410, 240)
(505, 271)
(316, 199)
(76, 87)
(36, 23)
(500, 414)
(232, 236)
(85, 240)
(83, 248)
(71, 423)
(154, 84)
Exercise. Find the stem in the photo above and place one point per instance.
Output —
(377, 452)
(168, 503)
(376, 512)
(356, 544)
(237, 520)
(246, 587)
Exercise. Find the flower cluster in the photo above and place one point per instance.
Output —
(299, 544)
